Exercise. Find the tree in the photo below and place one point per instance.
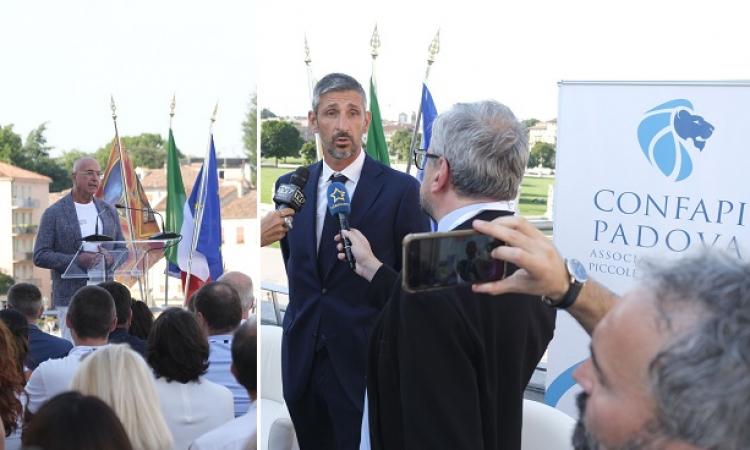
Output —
(250, 137)
(6, 281)
(400, 142)
(309, 152)
(528, 123)
(267, 114)
(10, 145)
(37, 159)
(542, 154)
(279, 139)
(145, 150)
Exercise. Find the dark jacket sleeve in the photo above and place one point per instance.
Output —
(381, 286)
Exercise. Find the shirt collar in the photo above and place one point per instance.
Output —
(352, 171)
(461, 215)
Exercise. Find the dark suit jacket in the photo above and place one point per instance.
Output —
(447, 369)
(385, 208)
(43, 346)
(59, 238)
(121, 336)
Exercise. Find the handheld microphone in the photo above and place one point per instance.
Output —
(96, 237)
(290, 195)
(340, 207)
(163, 235)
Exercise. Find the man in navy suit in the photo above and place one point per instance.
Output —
(27, 300)
(328, 320)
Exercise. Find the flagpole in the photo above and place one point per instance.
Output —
(199, 207)
(125, 187)
(310, 87)
(374, 45)
(432, 51)
(166, 261)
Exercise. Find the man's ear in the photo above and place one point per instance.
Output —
(113, 325)
(440, 176)
(312, 121)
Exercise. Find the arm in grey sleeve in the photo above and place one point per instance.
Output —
(45, 253)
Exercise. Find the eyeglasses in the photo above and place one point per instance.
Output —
(92, 174)
(421, 156)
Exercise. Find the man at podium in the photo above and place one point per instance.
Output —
(64, 226)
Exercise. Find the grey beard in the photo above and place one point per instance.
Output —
(647, 439)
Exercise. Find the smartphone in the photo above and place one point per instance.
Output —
(441, 260)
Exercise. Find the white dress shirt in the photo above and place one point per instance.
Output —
(192, 409)
(352, 173)
(233, 435)
(54, 376)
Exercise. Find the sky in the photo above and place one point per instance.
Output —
(61, 61)
(513, 52)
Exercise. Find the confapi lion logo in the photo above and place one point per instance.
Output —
(665, 134)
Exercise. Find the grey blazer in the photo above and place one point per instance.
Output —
(59, 238)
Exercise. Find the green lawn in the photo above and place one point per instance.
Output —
(533, 200)
(533, 190)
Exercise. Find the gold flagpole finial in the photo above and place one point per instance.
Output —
(308, 59)
(213, 116)
(112, 106)
(375, 42)
(172, 105)
(434, 48)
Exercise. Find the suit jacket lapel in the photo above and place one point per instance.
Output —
(368, 188)
(306, 221)
(74, 230)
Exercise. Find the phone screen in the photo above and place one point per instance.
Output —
(455, 258)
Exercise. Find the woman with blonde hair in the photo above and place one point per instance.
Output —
(120, 377)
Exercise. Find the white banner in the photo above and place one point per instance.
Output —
(644, 170)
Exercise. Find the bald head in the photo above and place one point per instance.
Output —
(84, 161)
(243, 284)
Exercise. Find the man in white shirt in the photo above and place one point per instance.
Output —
(236, 434)
(62, 229)
(91, 317)
(219, 312)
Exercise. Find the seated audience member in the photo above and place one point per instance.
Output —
(219, 313)
(91, 317)
(123, 304)
(27, 299)
(120, 377)
(142, 321)
(235, 435)
(74, 421)
(11, 385)
(243, 284)
(669, 359)
(178, 353)
(19, 328)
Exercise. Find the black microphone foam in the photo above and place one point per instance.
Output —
(290, 195)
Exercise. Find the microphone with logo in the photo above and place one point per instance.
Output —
(164, 235)
(290, 195)
(340, 207)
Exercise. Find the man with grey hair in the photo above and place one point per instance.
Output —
(328, 319)
(62, 228)
(243, 284)
(669, 360)
(447, 369)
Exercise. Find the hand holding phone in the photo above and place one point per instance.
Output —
(444, 260)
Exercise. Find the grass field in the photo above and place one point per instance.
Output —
(533, 190)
